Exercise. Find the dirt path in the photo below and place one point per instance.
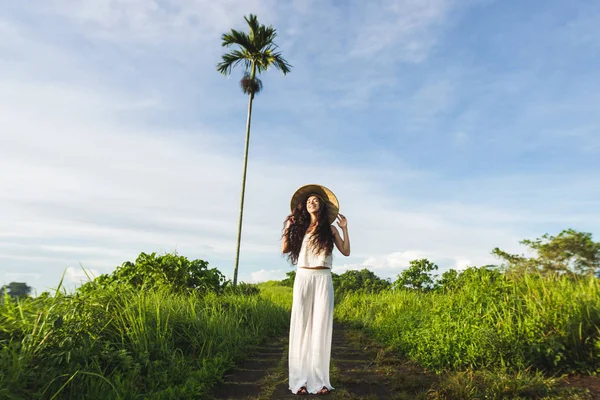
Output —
(360, 370)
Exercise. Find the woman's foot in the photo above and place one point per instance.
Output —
(324, 390)
(302, 390)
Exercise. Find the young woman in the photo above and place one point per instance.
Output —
(308, 241)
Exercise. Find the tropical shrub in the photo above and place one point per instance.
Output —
(169, 271)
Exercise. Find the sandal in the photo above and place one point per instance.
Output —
(324, 390)
(302, 391)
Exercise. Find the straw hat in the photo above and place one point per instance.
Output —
(325, 194)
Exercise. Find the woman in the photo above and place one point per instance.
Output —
(308, 240)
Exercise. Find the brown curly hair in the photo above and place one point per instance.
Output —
(322, 238)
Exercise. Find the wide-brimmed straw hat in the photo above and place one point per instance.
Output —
(304, 192)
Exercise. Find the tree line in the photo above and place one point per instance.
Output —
(570, 252)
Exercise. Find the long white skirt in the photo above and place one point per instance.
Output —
(311, 328)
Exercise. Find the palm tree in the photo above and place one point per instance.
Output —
(257, 53)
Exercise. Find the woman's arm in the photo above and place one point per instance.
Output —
(284, 241)
(343, 245)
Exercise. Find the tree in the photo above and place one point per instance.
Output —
(363, 281)
(289, 281)
(16, 290)
(448, 280)
(169, 271)
(417, 275)
(257, 53)
(569, 252)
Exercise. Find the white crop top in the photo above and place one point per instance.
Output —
(308, 258)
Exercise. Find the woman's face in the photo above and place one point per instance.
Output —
(313, 204)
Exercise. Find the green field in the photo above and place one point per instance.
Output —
(114, 341)
(548, 323)
(488, 334)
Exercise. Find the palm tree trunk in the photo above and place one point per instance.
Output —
(239, 235)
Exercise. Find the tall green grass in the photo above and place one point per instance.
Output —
(277, 294)
(118, 343)
(126, 344)
(546, 323)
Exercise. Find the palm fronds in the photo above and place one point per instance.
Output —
(256, 52)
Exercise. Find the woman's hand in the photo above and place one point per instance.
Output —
(342, 244)
(342, 221)
(289, 221)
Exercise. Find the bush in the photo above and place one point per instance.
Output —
(289, 281)
(170, 272)
(417, 276)
(363, 281)
(242, 288)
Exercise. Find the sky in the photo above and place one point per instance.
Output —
(446, 128)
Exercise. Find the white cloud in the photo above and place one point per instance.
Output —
(85, 178)
(100, 168)
(80, 275)
(264, 275)
(462, 264)
(20, 277)
(351, 52)
(154, 21)
(408, 26)
(78, 249)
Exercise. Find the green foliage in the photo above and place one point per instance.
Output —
(277, 294)
(550, 323)
(255, 51)
(289, 281)
(569, 252)
(363, 281)
(242, 288)
(417, 276)
(169, 272)
(474, 276)
(164, 327)
(16, 290)
(448, 281)
(500, 384)
(124, 343)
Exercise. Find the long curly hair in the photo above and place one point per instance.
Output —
(322, 238)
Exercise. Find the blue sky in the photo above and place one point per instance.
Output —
(446, 128)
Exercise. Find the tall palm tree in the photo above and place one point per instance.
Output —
(256, 51)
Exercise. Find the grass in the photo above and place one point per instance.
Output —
(128, 345)
(378, 321)
(490, 338)
(277, 294)
(548, 324)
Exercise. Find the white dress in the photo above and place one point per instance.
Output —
(311, 322)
